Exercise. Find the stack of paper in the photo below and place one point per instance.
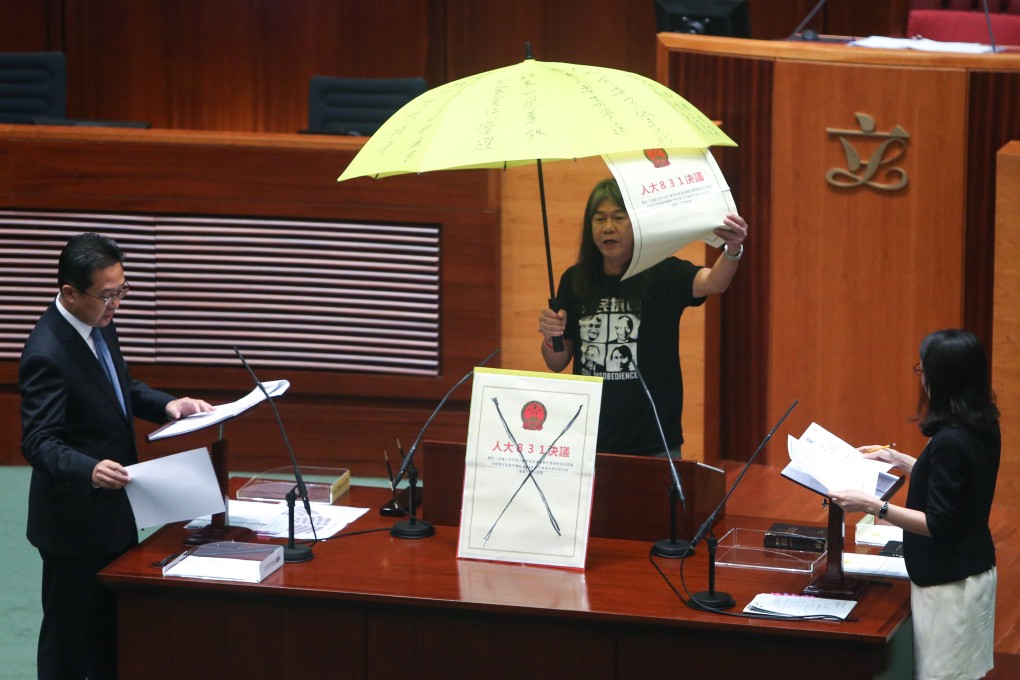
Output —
(799, 605)
(822, 462)
(869, 533)
(874, 565)
(228, 561)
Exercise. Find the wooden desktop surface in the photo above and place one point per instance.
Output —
(370, 606)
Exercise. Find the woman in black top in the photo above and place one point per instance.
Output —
(947, 545)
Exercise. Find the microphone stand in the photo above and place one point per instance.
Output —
(809, 17)
(669, 547)
(712, 599)
(412, 527)
(291, 552)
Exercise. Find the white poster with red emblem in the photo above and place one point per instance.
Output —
(674, 197)
(530, 467)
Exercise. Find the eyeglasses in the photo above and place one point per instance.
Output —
(917, 368)
(116, 295)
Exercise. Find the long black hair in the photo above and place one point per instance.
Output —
(956, 387)
(590, 281)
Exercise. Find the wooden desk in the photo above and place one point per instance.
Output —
(372, 606)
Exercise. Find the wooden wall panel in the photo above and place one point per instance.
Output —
(484, 36)
(1006, 358)
(856, 277)
(995, 121)
(737, 93)
(232, 64)
(282, 175)
(862, 18)
(859, 276)
(24, 25)
(245, 64)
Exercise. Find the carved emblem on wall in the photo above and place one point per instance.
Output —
(889, 147)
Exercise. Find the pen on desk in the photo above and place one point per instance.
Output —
(389, 469)
(879, 448)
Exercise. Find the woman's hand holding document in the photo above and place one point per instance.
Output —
(822, 461)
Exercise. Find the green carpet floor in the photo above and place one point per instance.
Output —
(21, 566)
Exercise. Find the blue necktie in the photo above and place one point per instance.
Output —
(104, 358)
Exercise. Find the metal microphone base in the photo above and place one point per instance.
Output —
(412, 529)
(672, 549)
(297, 553)
(714, 599)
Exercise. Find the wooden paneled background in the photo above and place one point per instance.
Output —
(244, 66)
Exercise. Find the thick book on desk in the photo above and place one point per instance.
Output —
(227, 561)
(324, 485)
(796, 537)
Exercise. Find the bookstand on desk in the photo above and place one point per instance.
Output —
(219, 528)
(834, 583)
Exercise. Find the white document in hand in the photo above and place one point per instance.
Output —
(833, 464)
(173, 488)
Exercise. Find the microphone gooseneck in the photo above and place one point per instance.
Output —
(669, 547)
(809, 17)
(293, 553)
(414, 447)
(413, 527)
(988, 20)
(707, 525)
(665, 445)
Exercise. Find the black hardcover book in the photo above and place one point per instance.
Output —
(796, 537)
(892, 549)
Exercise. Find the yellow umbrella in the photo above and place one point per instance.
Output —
(530, 112)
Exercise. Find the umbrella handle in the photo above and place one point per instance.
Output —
(557, 342)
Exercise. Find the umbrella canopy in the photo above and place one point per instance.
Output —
(532, 111)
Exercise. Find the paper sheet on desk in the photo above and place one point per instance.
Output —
(198, 421)
(270, 519)
(799, 605)
(874, 565)
(173, 488)
(921, 44)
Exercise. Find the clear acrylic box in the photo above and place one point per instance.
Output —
(746, 548)
(324, 485)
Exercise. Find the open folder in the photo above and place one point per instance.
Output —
(822, 462)
(197, 421)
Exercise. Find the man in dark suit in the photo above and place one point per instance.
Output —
(78, 405)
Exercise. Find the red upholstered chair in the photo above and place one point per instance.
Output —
(994, 6)
(960, 26)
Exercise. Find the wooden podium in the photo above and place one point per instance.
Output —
(631, 497)
(868, 180)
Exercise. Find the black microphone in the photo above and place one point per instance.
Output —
(291, 552)
(809, 17)
(704, 528)
(988, 19)
(413, 527)
(410, 454)
(669, 547)
(712, 599)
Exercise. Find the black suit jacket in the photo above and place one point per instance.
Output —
(953, 484)
(71, 420)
